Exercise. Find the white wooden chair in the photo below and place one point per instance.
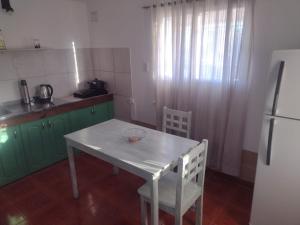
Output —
(180, 191)
(177, 121)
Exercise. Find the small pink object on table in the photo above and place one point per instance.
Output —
(134, 135)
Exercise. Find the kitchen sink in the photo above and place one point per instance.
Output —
(4, 112)
(16, 108)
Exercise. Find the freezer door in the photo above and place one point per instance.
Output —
(285, 63)
(276, 199)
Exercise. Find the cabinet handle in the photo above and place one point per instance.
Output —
(43, 125)
(15, 134)
(93, 110)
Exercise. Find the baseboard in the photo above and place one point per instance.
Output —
(229, 177)
(248, 165)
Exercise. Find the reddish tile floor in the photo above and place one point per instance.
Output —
(45, 198)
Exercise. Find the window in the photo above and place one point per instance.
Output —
(194, 43)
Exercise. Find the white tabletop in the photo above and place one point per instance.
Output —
(153, 154)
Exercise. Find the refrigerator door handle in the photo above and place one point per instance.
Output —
(277, 89)
(270, 137)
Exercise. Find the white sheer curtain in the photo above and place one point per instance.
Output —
(201, 54)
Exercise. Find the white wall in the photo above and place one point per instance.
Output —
(55, 22)
(48, 66)
(277, 26)
(112, 65)
(121, 23)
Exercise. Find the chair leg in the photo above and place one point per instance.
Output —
(144, 217)
(199, 210)
(178, 219)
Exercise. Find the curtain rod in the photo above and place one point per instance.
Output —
(168, 3)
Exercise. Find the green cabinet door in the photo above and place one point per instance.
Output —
(58, 127)
(100, 113)
(110, 107)
(35, 139)
(103, 112)
(12, 159)
(90, 116)
(81, 118)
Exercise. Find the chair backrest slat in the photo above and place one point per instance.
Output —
(178, 121)
(191, 168)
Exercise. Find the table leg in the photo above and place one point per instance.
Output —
(73, 171)
(154, 202)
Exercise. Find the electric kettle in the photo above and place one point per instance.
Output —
(45, 92)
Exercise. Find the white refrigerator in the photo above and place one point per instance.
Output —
(276, 199)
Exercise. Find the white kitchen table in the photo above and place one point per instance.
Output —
(150, 158)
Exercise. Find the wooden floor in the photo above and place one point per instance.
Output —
(45, 198)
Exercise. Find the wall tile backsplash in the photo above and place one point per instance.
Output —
(121, 60)
(58, 62)
(7, 69)
(103, 59)
(9, 90)
(57, 67)
(29, 64)
(112, 65)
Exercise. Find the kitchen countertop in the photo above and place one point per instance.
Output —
(17, 108)
(72, 99)
(14, 112)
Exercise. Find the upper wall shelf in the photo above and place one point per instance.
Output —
(22, 49)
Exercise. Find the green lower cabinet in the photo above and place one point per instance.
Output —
(100, 113)
(110, 108)
(103, 112)
(86, 117)
(35, 140)
(90, 116)
(81, 118)
(35, 145)
(58, 127)
(12, 159)
(44, 141)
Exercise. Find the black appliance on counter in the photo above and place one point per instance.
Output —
(96, 87)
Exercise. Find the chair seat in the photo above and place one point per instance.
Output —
(167, 191)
